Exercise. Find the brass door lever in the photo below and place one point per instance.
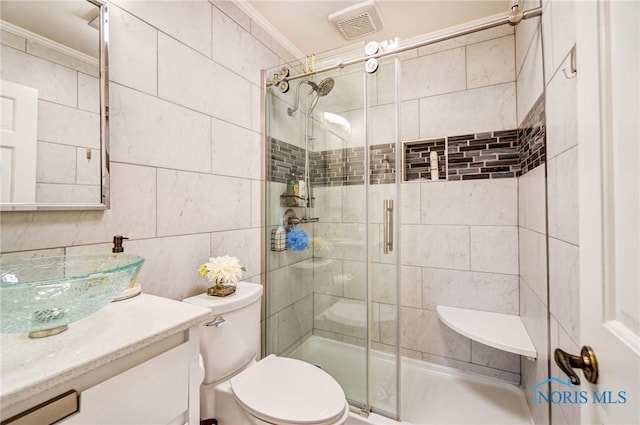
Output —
(586, 361)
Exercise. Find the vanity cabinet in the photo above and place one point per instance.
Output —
(133, 362)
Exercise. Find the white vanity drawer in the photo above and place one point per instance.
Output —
(154, 392)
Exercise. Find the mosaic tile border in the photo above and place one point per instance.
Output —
(533, 138)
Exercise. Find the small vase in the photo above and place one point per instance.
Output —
(221, 290)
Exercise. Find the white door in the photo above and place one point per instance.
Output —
(18, 142)
(608, 46)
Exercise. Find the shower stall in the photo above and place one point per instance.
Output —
(371, 132)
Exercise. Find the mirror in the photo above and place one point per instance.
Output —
(54, 93)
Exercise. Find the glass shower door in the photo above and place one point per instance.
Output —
(319, 305)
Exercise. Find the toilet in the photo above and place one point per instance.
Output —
(238, 389)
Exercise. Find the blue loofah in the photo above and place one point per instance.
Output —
(297, 240)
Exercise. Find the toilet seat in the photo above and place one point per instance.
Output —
(282, 390)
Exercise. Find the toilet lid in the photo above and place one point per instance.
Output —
(284, 390)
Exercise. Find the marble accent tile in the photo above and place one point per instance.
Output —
(477, 37)
(187, 21)
(91, 68)
(411, 286)
(564, 285)
(56, 163)
(206, 203)
(234, 12)
(54, 82)
(153, 132)
(243, 244)
(492, 357)
(410, 209)
(134, 216)
(532, 200)
(421, 330)
(15, 41)
(533, 260)
(236, 151)
(287, 286)
(486, 202)
(561, 117)
(479, 291)
(230, 38)
(563, 21)
(435, 74)
(530, 83)
(49, 193)
(490, 62)
(88, 170)
(88, 93)
(562, 187)
(69, 126)
(191, 80)
(490, 108)
(133, 51)
(7, 257)
(435, 246)
(295, 321)
(494, 249)
(409, 120)
(473, 368)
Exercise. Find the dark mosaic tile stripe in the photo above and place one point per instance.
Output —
(532, 138)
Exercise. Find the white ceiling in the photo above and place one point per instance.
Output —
(305, 24)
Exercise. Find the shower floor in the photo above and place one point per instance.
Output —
(432, 394)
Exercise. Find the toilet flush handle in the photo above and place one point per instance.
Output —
(217, 322)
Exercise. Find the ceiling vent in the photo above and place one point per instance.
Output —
(357, 20)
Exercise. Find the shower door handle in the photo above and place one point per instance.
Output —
(387, 218)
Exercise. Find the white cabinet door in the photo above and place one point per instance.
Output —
(18, 142)
(608, 46)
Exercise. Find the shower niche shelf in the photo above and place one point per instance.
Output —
(502, 331)
(295, 201)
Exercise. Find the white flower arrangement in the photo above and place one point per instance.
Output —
(221, 270)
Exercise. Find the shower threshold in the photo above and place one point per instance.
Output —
(432, 394)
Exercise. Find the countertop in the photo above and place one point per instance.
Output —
(30, 366)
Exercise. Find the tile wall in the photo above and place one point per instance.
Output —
(68, 159)
(186, 149)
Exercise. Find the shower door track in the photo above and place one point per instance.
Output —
(527, 14)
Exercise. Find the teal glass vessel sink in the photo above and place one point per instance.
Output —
(42, 296)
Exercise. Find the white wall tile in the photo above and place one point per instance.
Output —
(470, 202)
(88, 169)
(340, 315)
(383, 282)
(192, 80)
(56, 163)
(295, 321)
(498, 359)
(231, 38)
(561, 113)
(328, 276)
(258, 200)
(562, 183)
(234, 12)
(533, 260)
(411, 286)
(434, 74)
(421, 330)
(410, 120)
(53, 193)
(353, 279)
(235, 151)
(563, 21)
(88, 93)
(491, 62)
(564, 285)
(287, 286)
(524, 34)
(484, 109)
(256, 109)
(133, 52)
(16, 256)
(69, 126)
(91, 67)
(478, 291)
(382, 124)
(187, 21)
(54, 82)
(410, 208)
(494, 249)
(243, 244)
(205, 203)
(530, 82)
(534, 316)
(259, 33)
(158, 133)
(435, 246)
(532, 200)
(477, 37)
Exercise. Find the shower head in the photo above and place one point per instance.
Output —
(321, 89)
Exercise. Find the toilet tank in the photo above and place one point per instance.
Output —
(231, 344)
